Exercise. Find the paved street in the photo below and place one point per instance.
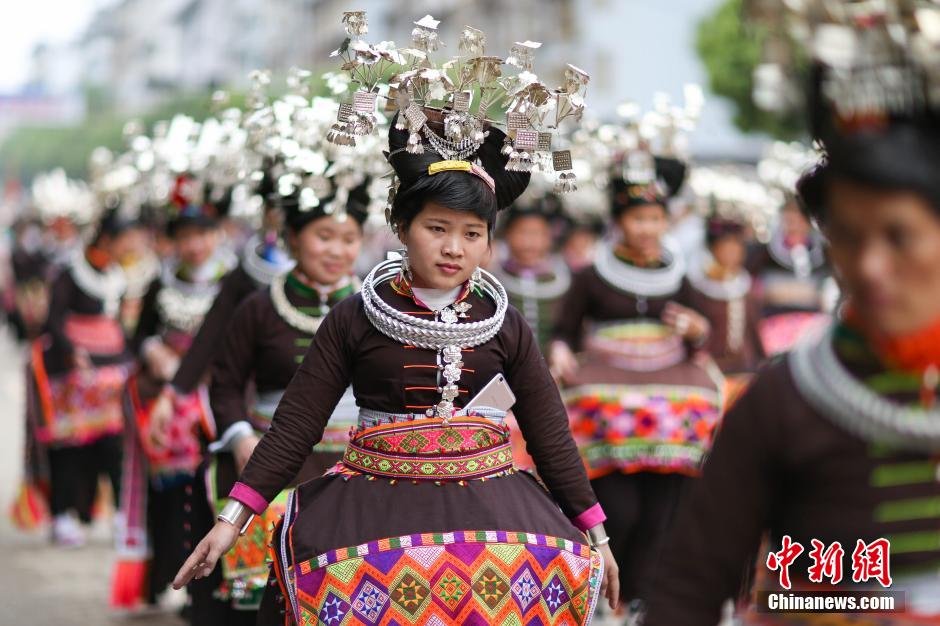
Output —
(41, 585)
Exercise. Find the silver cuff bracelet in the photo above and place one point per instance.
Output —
(598, 536)
(236, 514)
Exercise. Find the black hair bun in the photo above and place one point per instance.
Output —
(411, 167)
(672, 173)
(295, 218)
(811, 190)
(627, 194)
(115, 222)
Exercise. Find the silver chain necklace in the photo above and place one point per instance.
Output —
(829, 388)
(182, 305)
(296, 318)
(108, 286)
(532, 288)
(446, 337)
(647, 282)
(731, 289)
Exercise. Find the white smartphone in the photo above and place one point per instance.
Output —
(495, 394)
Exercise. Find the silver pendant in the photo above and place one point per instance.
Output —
(452, 354)
(448, 316)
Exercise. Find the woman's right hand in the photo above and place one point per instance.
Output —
(161, 414)
(162, 362)
(562, 361)
(610, 586)
(204, 558)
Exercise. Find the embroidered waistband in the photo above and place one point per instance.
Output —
(466, 448)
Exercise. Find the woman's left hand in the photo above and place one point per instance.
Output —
(610, 586)
(687, 323)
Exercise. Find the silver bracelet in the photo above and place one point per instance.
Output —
(236, 514)
(598, 536)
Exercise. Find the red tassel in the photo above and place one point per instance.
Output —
(29, 510)
(128, 584)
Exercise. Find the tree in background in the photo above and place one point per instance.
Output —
(730, 50)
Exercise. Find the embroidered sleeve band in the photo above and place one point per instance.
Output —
(249, 497)
(590, 518)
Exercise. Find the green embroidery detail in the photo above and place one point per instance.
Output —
(303, 342)
(903, 510)
(311, 294)
(904, 474)
(888, 383)
(301, 289)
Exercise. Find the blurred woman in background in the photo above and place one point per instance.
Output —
(162, 456)
(263, 345)
(642, 409)
(79, 370)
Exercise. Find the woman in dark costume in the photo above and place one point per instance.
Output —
(642, 406)
(534, 276)
(264, 343)
(838, 441)
(261, 260)
(426, 521)
(791, 272)
(722, 290)
(161, 462)
(78, 372)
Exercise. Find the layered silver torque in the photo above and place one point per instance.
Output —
(829, 388)
(424, 333)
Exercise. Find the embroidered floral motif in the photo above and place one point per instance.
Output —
(642, 428)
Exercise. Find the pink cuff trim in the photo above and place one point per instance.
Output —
(251, 498)
(586, 520)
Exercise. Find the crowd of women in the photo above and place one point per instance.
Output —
(502, 408)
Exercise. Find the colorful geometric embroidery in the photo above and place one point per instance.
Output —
(78, 407)
(635, 428)
(526, 588)
(370, 601)
(426, 449)
(192, 419)
(410, 592)
(462, 577)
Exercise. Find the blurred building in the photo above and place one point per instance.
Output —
(140, 51)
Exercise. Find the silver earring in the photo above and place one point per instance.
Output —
(476, 278)
(405, 265)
